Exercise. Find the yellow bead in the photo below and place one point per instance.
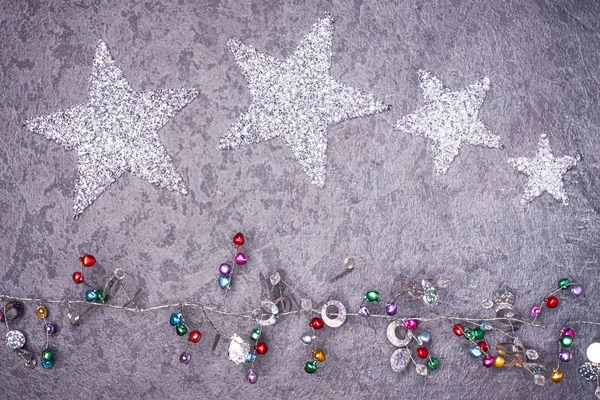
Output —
(41, 312)
(318, 355)
(556, 376)
(499, 362)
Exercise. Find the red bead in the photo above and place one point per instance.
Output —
(551, 302)
(422, 352)
(458, 329)
(483, 346)
(316, 323)
(238, 239)
(87, 260)
(78, 277)
(195, 336)
(261, 348)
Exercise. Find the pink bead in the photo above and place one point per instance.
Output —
(567, 332)
(488, 360)
(535, 310)
(240, 259)
(411, 324)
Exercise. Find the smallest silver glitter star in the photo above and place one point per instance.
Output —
(545, 172)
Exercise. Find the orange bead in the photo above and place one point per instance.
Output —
(499, 362)
(318, 355)
(41, 312)
(556, 376)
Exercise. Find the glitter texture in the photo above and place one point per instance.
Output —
(15, 339)
(238, 350)
(116, 131)
(449, 119)
(296, 99)
(545, 172)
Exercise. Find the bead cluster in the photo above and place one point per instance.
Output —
(402, 357)
(15, 339)
(49, 328)
(308, 338)
(551, 301)
(226, 269)
(260, 348)
(176, 320)
(479, 348)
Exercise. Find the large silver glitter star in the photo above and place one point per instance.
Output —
(116, 131)
(545, 172)
(296, 99)
(449, 119)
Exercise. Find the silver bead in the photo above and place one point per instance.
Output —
(307, 338)
(15, 339)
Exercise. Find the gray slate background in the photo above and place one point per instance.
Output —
(382, 202)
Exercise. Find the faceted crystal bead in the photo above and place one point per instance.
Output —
(531, 354)
(539, 380)
(400, 359)
(421, 369)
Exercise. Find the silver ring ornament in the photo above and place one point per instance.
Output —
(267, 309)
(339, 319)
(391, 334)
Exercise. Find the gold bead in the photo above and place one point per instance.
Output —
(556, 376)
(41, 312)
(318, 355)
(499, 362)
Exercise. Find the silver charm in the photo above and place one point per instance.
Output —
(238, 350)
(341, 314)
(15, 339)
(116, 131)
(400, 359)
(265, 314)
(296, 99)
(391, 334)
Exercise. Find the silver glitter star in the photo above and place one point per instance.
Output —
(545, 172)
(296, 99)
(116, 131)
(449, 119)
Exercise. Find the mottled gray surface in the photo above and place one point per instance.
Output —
(382, 202)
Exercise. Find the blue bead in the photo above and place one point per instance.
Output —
(47, 364)
(425, 337)
(251, 357)
(475, 352)
(224, 282)
(91, 295)
(175, 319)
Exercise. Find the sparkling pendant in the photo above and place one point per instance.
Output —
(238, 350)
(400, 359)
(15, 339)
(421, 369)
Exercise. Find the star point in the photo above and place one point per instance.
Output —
(545, 172)
(115, 132)
(296, 99)
(449, 119)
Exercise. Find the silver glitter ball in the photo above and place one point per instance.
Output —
(238, 350)
(15, 339)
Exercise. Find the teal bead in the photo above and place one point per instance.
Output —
(564, 284)
(372, 295)
(47, 364)
(478, 333)
(181, 329)
(91, 295)
(251, 357)
(310, 367)
(47, 355)
(469, 334)
(175, 319)
(475, 352)
(224, 282)
(256, 334)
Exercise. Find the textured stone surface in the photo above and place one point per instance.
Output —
(382, 204)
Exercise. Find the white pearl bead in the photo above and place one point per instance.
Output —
(593, 352)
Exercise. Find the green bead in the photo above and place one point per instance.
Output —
(469, 334)
(433, 363)
(101, 296)
(310, 367)
(181, 329)
(478, 333)
(566, 341)
(563, 284)
(256, 334)
(47, 355)
(372, 295)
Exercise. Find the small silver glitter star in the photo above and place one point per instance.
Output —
(449, 119)
(545, 172)
(116, 131)
(296, 99)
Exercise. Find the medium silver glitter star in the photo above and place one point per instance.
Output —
(449, 119)
(116, 131)
(296, 99)
(545, 172)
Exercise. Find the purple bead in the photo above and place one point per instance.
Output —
(576, 290)
(363, 311)
(488, 360)
(411, 324)
(567, 332)
(240, 259)
(49, 328)
(564, 355)
(225, 269)
(185, 358)
(535, 310)
(252, 376)
(391, 308)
